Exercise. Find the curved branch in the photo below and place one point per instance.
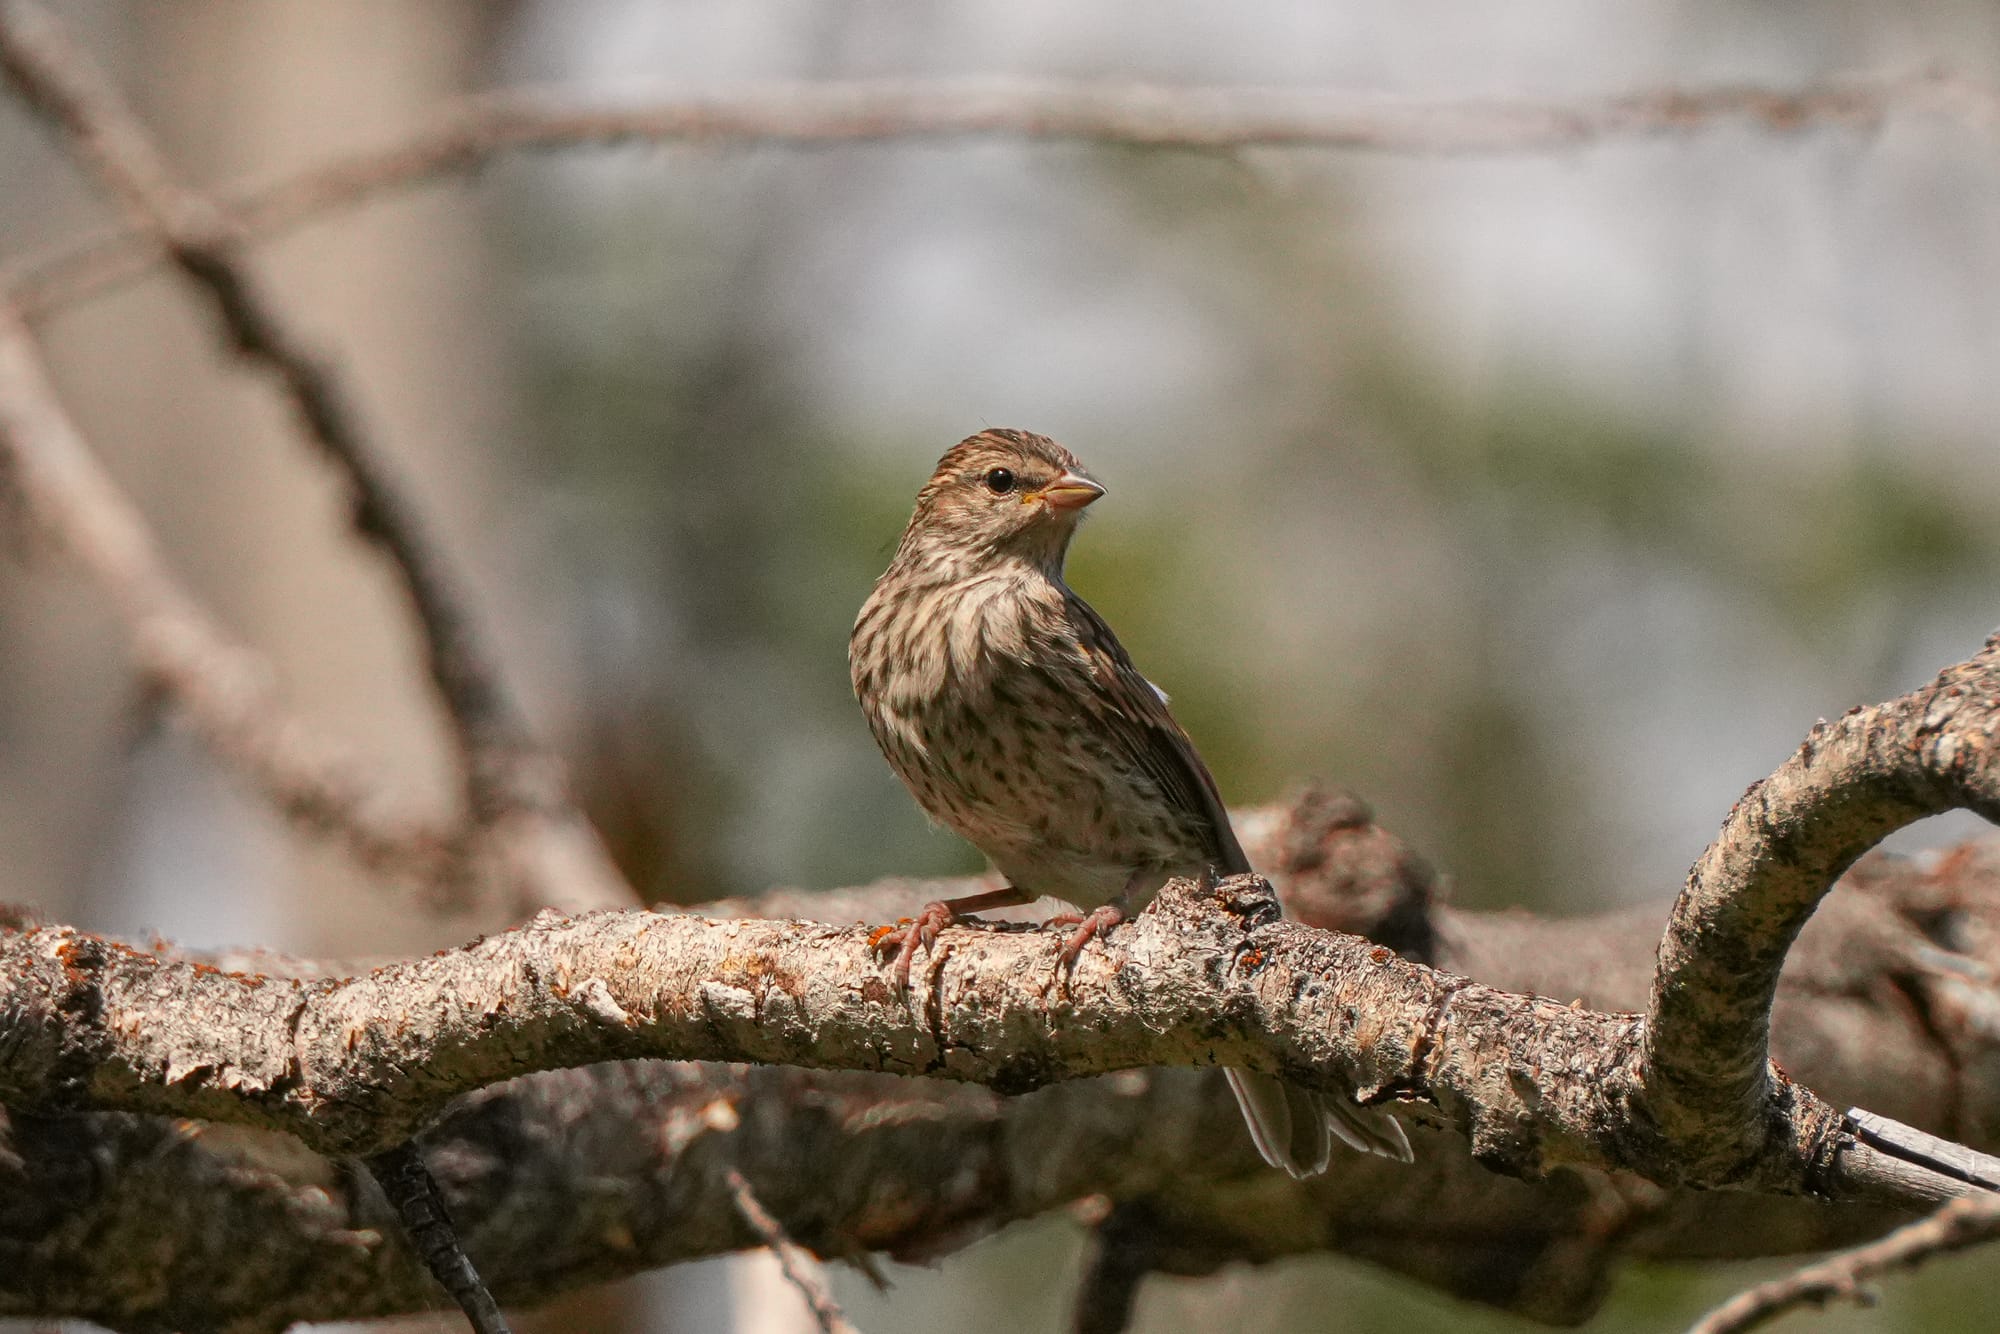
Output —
(573, 1177)
(1204, 977)
(1706, 1062)
(464, 136)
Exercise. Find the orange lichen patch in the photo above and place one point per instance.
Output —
(1380, 954)
(1253, 958)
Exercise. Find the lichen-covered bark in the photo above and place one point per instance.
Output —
(1207, 976)
(571, 1176)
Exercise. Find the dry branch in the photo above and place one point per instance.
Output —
(573, 1177)
(224, 689)
(1958, 1226)
(512, 789)
(464, 136)
(1205, 977)
(1785, 843)
(794, 1261)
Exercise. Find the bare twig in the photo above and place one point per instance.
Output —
(225, 690)
(1958, 1226)
(1791, 836)
(466, 135)
(512, 790)
(58, 79)
(1925, 1150)
(797, 1264)
(414, 1194)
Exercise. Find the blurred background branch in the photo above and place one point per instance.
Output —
(465, 137)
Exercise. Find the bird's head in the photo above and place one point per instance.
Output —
(1001, 494)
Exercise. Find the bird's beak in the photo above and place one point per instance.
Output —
(1070, 491)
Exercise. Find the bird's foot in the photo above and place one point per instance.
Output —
(1089, 926)
(908, 935)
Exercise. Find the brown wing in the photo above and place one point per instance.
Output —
(1137, 715)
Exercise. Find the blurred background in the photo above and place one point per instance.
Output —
(1544, 499)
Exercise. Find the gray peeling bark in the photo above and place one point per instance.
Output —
(1887, 1005)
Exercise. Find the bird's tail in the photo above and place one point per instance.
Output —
(1294, 1128)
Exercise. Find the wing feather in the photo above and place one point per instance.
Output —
(1135, 712)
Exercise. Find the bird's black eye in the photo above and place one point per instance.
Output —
(1000, 481)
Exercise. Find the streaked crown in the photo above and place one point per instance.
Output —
(998, 494)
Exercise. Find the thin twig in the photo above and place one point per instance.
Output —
(1924, 1150)
(58, 79)
(1959, 1225)
(419, 1204)
(224, 689)
(465, 135)
(796, 1263)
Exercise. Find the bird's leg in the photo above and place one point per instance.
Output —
(922, 930)
(1089, 926)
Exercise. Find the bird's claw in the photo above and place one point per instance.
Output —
(1089, 926)
(908, 935)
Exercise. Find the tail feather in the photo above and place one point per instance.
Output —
(1378, 1129)
(1294, 1128)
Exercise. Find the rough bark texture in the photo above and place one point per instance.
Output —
(1852, 783)
(148, 1222)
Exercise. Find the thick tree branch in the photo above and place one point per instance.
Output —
(1202, 978)
(511, 787)
(464, 136)
(1706, 1064)
(567, 1178)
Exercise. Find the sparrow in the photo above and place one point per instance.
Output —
(1015, 718)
